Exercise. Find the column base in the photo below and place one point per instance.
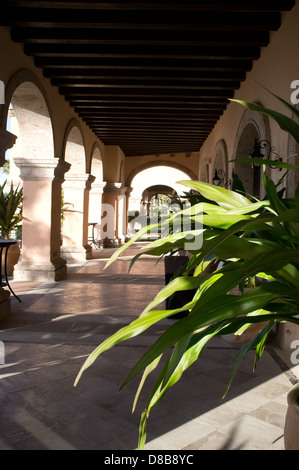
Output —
(286, 333)
(76, 253)
(44, 272)
(5, 307)
(111, 243)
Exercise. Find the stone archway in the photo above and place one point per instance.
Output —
(204, 171)
(293, 155)
(148, 165)
(42, 175)
(253, 125)
(95, 196)
(75, 196)
(220, 164)
(147, 175)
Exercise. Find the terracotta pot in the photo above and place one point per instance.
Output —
(291, 428)
(13, 256)
(239, 340)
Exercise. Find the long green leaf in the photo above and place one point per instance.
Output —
(147, 371)
(224, 307)
(291, 108)
(255, 342)
(224, 197)
(285, 123)
(133, 329)
(261, 161)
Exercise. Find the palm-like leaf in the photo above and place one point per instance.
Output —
(253, 239)
(10, 208)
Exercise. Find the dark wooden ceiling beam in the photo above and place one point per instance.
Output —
(151, 106)
(150, 76)
(150, 112)
(147, 131)
(118, 123)
(141, 37)
(148, 108)
(179, 20)
(151, 63)
(125, 136)
(146, 84)
(127, 74)
(131, 91)
(230, 5)
(142, 52)
(170, 101)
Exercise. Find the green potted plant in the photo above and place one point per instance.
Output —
(251, 238)
(10, 218)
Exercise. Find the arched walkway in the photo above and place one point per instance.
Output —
(95, 196)
(42, 175)
(75, 196)
(252, 126)
(293, 155)
(220, 163)
(161, 163)
(159, 174)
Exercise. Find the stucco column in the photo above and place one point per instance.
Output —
(7, 141)
(75, 217)
(109, 225)
(122, 214)
(42, 179)
(95, 207)
(128, 195)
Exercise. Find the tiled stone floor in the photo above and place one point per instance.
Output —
(49, 335)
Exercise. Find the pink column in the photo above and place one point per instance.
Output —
(40, 260)
(7, 141)
(95, 208)
(75, 217)
(109, 224)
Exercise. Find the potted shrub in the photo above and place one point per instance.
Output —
(10, 218)
(291, 434)
(251, 238)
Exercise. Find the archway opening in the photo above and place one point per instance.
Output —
(249, 174)
(95, 199)
(155, 176)
(155, 193)
(28, 118)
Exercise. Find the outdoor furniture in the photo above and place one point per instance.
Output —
(91, 238)
(3, 269)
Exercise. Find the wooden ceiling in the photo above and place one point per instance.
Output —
(150, 76)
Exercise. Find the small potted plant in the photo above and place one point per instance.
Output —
(10, 219)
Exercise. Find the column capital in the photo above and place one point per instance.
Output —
(98, 187)
(42, 169)
(123, 191)
(7, 141)
(78, 181)
(128, 191)
(112, 188)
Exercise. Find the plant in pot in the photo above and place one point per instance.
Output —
(251, 238)
(10, 218)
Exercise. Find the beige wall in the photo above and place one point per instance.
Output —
(188, 164)
(113, 160)
(277, 67)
